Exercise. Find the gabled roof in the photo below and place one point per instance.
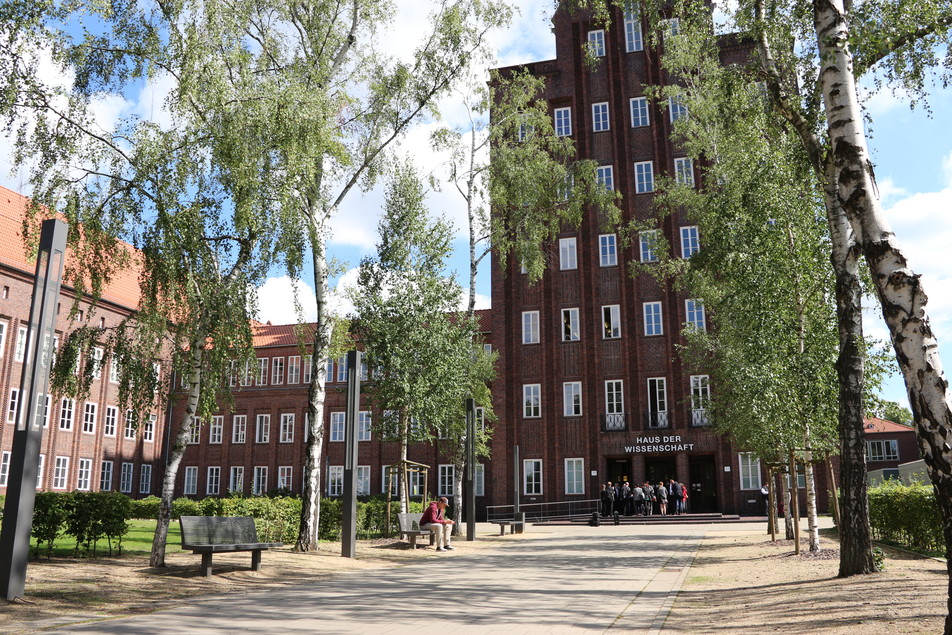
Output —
(881, 425)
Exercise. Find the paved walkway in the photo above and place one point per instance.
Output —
(550, 580)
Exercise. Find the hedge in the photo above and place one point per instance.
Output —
(86, 516)
(907, 515)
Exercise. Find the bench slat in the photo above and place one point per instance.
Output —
(206, 535)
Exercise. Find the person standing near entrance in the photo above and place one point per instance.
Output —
(661, 494)
(675, 494)
(684, 498)
(608, 499)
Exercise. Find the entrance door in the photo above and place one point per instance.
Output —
(702, 485)
(660, 469)
(619, 470)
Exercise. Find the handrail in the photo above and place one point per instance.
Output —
(536, 512)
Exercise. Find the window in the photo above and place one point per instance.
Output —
(572, 399)
(114, 371)
(670, 27)
(285, 474)
(677, 109)
(294, 369)
(145, 479)
(633, 40)
(385, 481)
(129, 429)
(563, 122)
(657, 403)
(259, 485)
(335, 480)
(125, 478)
(749, 470)
(236, 479)
(43, 407)
(262, 428)
(96, 361)
(695, 314)
(447, 474)
(607, 250)
(525, 130)
(109, 421)
(653, 325)
(3, 335)
(277, 371)
(570, 328)
(342, 368)
(479, 480)
(532, 476)
(644, 177)
(611, 321)
(215, 430)
(19, 354)
(239, 424)
(531, 400)
(306, 369)
(66, 414)
(89, 417)
(105, 476)
(530, 327)
(39, 471)
(212, 480)
(647, 241)
(247, 375)
(600, 117)
(885, 450)
(614, 397)
(363, 425)
(596, 43)
(700, 398)
(684, 171)
(195, 433)
(4, 468)
(60, 472)
(337, 426)
(574, 480)
(480, 419)
(605, 177)
(12, 405)
(690, 244)
(191, 481)
(639, 112)
(262, 375)
(287, 427)
(568, 258)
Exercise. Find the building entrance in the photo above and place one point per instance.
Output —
(619, 470)
(703, 485)
(660, 469)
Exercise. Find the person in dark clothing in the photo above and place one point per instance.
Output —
(626, 499)
(608, 499)
(675, 496)
(649, 499)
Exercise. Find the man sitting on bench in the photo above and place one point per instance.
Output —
(434, 519)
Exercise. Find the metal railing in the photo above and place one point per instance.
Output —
(699, 418)
(613, 421)
(536, 512)
(656, 419)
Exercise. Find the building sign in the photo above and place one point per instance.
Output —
(666, 443)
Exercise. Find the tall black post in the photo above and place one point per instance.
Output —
(31, 411)
(516, 480)
(470, 469)
(348, 544)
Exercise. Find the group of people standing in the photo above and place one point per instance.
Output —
(644, 499)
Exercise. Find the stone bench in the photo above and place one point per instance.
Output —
(208, 535)
(410, 528)
(515, 526)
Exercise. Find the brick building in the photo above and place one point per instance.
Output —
(87, 444)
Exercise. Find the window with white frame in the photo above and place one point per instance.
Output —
(611, 321)
(572, 398)
(294, 369)
(563, 121)
(109, 421)
(67, 406)
(604, 174)
(385, 481)
(12, 405)
(574, 476)
(670, 27)
(195, 433)
(568, 253)
(568, 183)
(190, 487)
(105, 476)
(479, 480)
(531, 400)
(248, 375)
(4, 468)
(695, 314)
(690, 244)
(447, 474)
(600, 117)
(44, 404)
(129, 426)
(882, 450)
(83, 474)
(96, 360)
(647, 241)
(262, 428)
(287, 427)
(39, 471)
(306, 370)
(4, 325)
(677, 109)
(653, 323)
(684, 171)
(89, 417)
(216, 429)
(364, 371)
(614, 397)
(749, 471)
(532, 477)
(236, 479)
(633, 40)
(570, 325)
(639, 112)
(60, 472)
(262, 374)
(285, 476)
(607, 250)
(277, 371)
(114, 371)
(232, 373)
(259, 485)
(212, 480)
(596, 43)
(644, 177)
(342, 368)
(125, 478)
(337, 427)
(364, 423)
(335, 480)
(530, 327)
(700, 398)
(657, 402)
(239, 428)
(19, 353)
(145, 479)
(480, 419)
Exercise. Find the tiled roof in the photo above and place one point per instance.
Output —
(123, 288)
(881, 425)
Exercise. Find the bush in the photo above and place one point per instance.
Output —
(49, 515)
(185, 507)
(145, 508)
(907, 515)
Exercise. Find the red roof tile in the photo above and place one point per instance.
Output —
(881, 425)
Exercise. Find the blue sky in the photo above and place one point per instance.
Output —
(912, 154)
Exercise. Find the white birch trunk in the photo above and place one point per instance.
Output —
(812, 520)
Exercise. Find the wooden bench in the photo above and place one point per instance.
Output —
(213, 534)
(410, 528)
(515, 526)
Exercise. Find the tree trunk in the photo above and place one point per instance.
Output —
(834, 494)
(787, 512)
(404, 442)
(812, 523)
(459, 506)
(899, 289)
(177, 451)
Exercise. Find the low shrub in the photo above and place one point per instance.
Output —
(906, 515)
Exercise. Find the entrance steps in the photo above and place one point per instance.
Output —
(657, 519)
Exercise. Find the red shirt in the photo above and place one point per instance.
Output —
(432, 514)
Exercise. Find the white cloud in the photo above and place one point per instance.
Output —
(276, 299)
(947, 169)
(889, 190)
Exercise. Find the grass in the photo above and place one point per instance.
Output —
(136, 542)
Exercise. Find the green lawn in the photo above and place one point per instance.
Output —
(136, 542)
